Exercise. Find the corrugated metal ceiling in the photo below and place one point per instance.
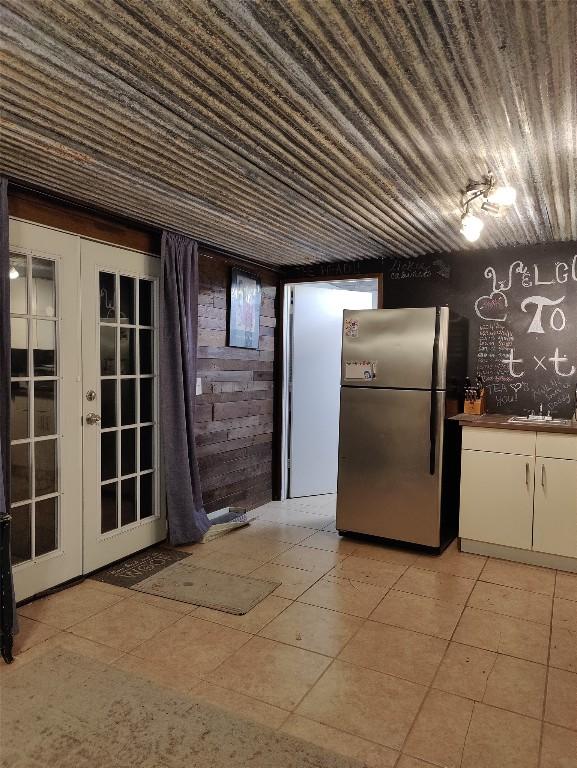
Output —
(297, 131)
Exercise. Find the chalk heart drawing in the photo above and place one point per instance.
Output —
(492, 307)
(516, 386)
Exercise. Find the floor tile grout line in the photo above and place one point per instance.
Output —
(430, 686)
(97, 613)
(546, 691)
(519, 589)
(248, 696)
(334, 728)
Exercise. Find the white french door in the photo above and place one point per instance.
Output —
(84, 405)
(46, 436)
(122, 511)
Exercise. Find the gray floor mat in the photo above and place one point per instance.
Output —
(187, 583)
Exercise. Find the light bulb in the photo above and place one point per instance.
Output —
(471, 227)
(14, 274)
(503, 196)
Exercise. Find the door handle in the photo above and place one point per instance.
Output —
(527, 474)
(92, 418)
(433, 426)
(543, 475)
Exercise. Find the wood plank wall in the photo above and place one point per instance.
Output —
(235, 412)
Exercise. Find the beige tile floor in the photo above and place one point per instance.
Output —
(394, 658)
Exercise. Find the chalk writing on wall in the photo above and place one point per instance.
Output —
(414, 269)
(527, 349)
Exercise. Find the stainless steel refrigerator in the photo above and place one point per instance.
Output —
(399, 457)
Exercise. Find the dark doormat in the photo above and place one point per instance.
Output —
(138, 567)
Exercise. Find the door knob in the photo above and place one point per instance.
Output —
(92, 418)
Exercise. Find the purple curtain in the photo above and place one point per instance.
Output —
(187, 519)
(8, 624)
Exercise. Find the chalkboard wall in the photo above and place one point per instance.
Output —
(522, 309)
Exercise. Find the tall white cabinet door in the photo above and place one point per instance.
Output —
(497, 498)
(555, 520)
(46, 448)
(123, 508)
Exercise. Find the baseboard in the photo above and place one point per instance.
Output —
(527, 556)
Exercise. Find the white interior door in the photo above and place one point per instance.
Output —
(46, 447)
(122, 508)
(316, 375)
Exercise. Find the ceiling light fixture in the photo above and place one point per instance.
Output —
(504, 196)
(14, 274)
(471, 227)
(483, 196)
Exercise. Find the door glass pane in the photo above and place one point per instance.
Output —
(20, 489)
(145, 302)
(44, 347)
(107, 297)
(19, 410)
(45, 526)
(43, 288)
(147, 495)
(108, 455)
(108, 520)
(128, 395)
(145, 351)
(127, 302)
(146, 401)
(18, 292)
(44, 408)
(107, 350)
(128, 451)
(128, 501)
(45, 468)
(146, 447)
(127, 352)
(108, 403)
(21, 533)
(19, 346)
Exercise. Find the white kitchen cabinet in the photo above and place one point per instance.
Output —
(497, 498)
(555, 507)
(556, 446)
(519, 492)
(499, 440)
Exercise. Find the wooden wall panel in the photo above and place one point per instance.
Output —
(234, 427)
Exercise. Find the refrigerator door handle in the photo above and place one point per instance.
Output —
(433, 426)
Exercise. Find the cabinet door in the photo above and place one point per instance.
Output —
(497, 498)
(555, 520)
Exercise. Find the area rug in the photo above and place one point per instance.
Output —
(187, 583)
(66, 710)
(139, 566)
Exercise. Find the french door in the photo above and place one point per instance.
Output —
(46, 437)
(122, 511)
(85, 485)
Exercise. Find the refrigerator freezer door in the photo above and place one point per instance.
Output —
(399, 342)
(385, 485)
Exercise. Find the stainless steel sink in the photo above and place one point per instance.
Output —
(538, 420)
